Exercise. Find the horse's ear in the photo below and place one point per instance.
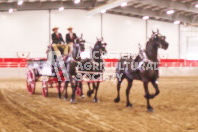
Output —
(97, 38)
(102, 38)
(81, 35)
(153, 32)
(157, 31)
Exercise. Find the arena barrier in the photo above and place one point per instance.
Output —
(16, 67)
(22, 63)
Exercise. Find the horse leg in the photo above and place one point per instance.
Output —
(156, 90)
(116, 100)
(66, 85)
(89, 92)
(59, 92)
(96, 88)
(81, 88)
(127, 93)
(73, 100)
(147, 96)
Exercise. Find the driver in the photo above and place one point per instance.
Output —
(58, 43)
(70, 37)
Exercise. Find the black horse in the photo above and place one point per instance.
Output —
(144, 68)
(93, 67)
(70, 64)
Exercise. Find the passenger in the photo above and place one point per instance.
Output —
(58, 43)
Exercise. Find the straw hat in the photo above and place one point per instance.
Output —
(69, 28)
(54, 28)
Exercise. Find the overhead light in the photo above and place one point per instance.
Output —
(11, 10)
(20, 2)
(170, 12)
(196, 5)
(145, 17)
(177, 22)
(124, 4)
(108, 6)
(61, 9)
(77, 1)
(103, 11)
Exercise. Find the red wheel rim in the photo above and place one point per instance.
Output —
(30, 84)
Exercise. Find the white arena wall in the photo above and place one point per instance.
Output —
(21, 33)
(24, 31)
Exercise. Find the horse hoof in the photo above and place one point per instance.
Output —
(65, 98)
(96, 100)
(92, 91)
(156, 82)
(89, 93)
(73, 101)
(117, 100)
(129, 105)
(59, 97)
(82, 96)
(150, 110)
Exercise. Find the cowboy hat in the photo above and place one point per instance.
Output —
(54, 28)
(70, 28)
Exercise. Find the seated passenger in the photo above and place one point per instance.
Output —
(58, 43)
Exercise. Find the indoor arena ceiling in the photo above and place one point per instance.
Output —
(184, 10)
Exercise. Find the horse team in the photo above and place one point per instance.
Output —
(144, 68)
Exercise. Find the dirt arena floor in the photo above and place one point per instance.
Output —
(176, 109)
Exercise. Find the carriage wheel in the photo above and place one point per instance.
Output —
(45, 90)
(78, 91)
(30, 81)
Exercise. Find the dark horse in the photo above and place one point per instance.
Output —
(93, 67)
(144, 71)
(70, 64)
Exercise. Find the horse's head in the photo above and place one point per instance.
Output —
(80, 44)
(160, 40)
(101, 46)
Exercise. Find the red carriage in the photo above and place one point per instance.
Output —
(34, 75)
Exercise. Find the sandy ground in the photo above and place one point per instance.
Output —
(176, 109)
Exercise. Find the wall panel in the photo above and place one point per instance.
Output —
(24, 31)
(123, 33)
(171, 32)
(188, 33)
